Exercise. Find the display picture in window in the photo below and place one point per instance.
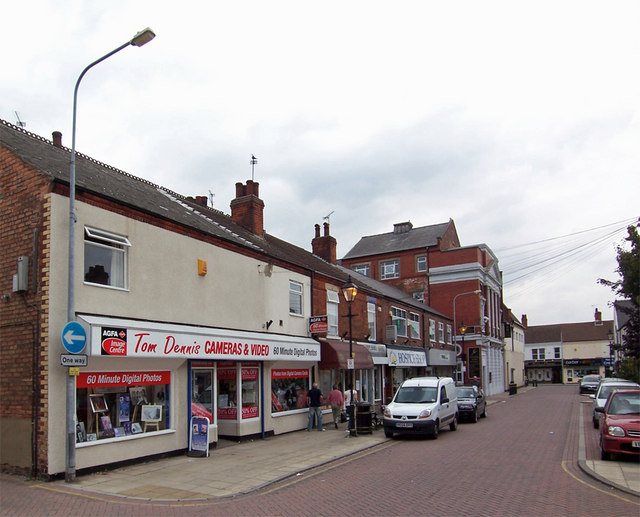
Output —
(98, 403)
(107, 429)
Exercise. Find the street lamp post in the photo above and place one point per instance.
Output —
(141, 38)
(350, 290)
(611, 346)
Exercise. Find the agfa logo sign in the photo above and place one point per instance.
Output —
(113, 341)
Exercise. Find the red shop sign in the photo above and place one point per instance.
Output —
(107, 379)
(289, 374)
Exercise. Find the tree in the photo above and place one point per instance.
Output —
(628, 287)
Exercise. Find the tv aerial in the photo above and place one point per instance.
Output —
(328, 216)
(19, 122)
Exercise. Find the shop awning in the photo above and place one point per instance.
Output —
(406, 356)
(378, 352)
(335, 354)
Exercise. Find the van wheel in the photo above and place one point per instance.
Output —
(434, 433)
(388, 433)
(454, 425)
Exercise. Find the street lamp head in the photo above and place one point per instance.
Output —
(143, 37)
(349, 290)
(463, 328)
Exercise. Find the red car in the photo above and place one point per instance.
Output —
(620, 428)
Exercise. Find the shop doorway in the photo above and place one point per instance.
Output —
(203, 393)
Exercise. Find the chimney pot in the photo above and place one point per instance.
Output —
(57, 138)
(317, 230)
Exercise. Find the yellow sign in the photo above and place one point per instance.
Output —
(74, 371)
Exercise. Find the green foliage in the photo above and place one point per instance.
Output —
(629, 368)
(628, 287)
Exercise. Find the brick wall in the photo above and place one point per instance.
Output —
(23, 345)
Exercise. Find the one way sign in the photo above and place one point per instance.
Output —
(74, 337)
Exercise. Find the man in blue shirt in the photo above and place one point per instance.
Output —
(315, 407)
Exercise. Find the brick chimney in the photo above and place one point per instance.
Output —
(525, 323)
(325, 246)
(57, 138)
(247, 208)
(597, 316)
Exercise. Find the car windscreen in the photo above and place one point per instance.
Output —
(416, 395)
(591, 378)
(624, 404)
(606, 390)
(466, 393)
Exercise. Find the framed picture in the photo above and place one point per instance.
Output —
(136, 428)
(92, 437)
(118, 431)
(127, 427)
(151, 413)
(123, 407)
(138, 395)
(81, 435)
(98, 403)
(107, 430)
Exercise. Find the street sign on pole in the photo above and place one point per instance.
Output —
(73, 359)
(74, 337)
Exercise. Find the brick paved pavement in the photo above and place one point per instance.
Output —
(520, 461)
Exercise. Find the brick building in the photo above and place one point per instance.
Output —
(188, 312)
(462, 282)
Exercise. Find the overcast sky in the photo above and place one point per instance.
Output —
(518, 120)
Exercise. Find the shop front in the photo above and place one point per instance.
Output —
(334, 367)
(374, 391)
(145, 380)
(575, 369)
(442, 363)
(404, 363)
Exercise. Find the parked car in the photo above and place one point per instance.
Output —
(620, 429)
(471, 403)
(422, 405)
(605, 388)
(589, 384)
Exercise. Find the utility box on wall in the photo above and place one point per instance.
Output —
(21, 279)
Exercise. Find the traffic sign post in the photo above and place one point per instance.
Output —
(74, 337)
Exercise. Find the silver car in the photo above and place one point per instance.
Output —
(605, 388)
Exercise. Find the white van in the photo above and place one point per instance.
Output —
(422, 405)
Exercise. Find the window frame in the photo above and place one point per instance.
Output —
(116, 246)
(363, 269)
(420, 260)
(292, 293)
(333, 318)
(383, 269)
(414, 324)
(399, 319)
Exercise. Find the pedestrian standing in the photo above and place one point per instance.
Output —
(350, 399)
(315, 407)
(336, 399)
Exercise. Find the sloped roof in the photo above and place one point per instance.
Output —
(123, 188)
(390, 242)
(568, 332)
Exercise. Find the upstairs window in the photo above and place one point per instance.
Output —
(389, 269)
(556, 352)
(105, 258)
(399, 319)
(449, 332)
(295, 298)
(332, 312)
(432, 330)
(421, 263)
(440, 332)
(418, 295)
(371, 318)
(414, 325)
(363, 269)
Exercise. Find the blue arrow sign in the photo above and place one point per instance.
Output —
(74, 337)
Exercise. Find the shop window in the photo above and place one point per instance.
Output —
(289, 389)
(250, 408)
(227, 392)
(115, 405)
(105, 258)
(295, 298)
(202, 393)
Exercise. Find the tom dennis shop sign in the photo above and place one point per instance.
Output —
(128, 338)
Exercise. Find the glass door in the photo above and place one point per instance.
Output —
(202, 393)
